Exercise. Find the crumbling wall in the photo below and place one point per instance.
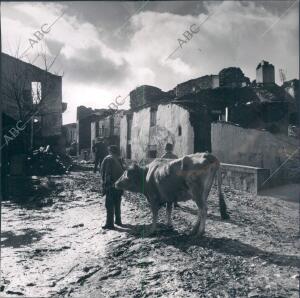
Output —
(108, 126)
(123, 136)
(140, 134)
(145, 94)
(116, 122)
(84, 134)
(251, 147)
(193, 86)
(265, 72)
(69, 133)
(292, 87)
(232, 77)
(105, 126)
(17, 77)
(93, 138)
(172, 126)
(51, 109)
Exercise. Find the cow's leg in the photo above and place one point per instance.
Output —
(196, 226)
(203, 202)
(199, 227)
(200, 199)
(222, 203)
(154, 219)
(197, 197)
(169, 213)
(203, 215)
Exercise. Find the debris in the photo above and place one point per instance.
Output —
(31, 284)
(44, 162)
(14, 293)
(240, 258)
(77, 226)
(113, 273)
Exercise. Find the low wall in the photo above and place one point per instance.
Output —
(244, 178)
(251, 147)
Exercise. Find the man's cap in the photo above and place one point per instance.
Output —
(169, 147)
(113, 149)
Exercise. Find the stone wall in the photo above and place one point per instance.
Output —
(251, 147)
(145, 94)
(108, 129)
(70, 133)
(265, 72)
(171, 119)
(244, 178)
(17, 77)
(123, 136)
(85, 116)
(232, 77)
(83, 134)
(193, 86)
(292, 87)
(140, 134)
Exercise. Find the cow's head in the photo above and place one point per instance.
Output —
(132, 179)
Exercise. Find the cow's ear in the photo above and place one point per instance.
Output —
(131, 170)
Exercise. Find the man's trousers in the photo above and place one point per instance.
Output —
(113, 206)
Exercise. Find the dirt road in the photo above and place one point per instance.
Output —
(58, 248)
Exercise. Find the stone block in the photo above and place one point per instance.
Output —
(244, 178)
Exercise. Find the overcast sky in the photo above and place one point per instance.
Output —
(106, 49)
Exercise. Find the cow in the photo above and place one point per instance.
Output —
(166, 181)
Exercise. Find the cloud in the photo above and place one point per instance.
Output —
(100, 65)
(231, 37)
(90, 67)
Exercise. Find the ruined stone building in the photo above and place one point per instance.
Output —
(26, 90)
(292, 89)
(183, 115)
(265, 73)
(32, 107)
(85, 116)
(69, 132)
(107, 127)
(96, 123)
(233, 77)
(145, 132)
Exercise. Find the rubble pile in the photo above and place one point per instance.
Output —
(83, 165)
(44, 162)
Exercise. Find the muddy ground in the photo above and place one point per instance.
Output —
(56, 247)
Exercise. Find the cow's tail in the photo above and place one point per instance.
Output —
(222, 203)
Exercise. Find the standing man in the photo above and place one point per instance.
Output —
(111, 170)
(170, 155)
(169, 152)
(100, 150)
